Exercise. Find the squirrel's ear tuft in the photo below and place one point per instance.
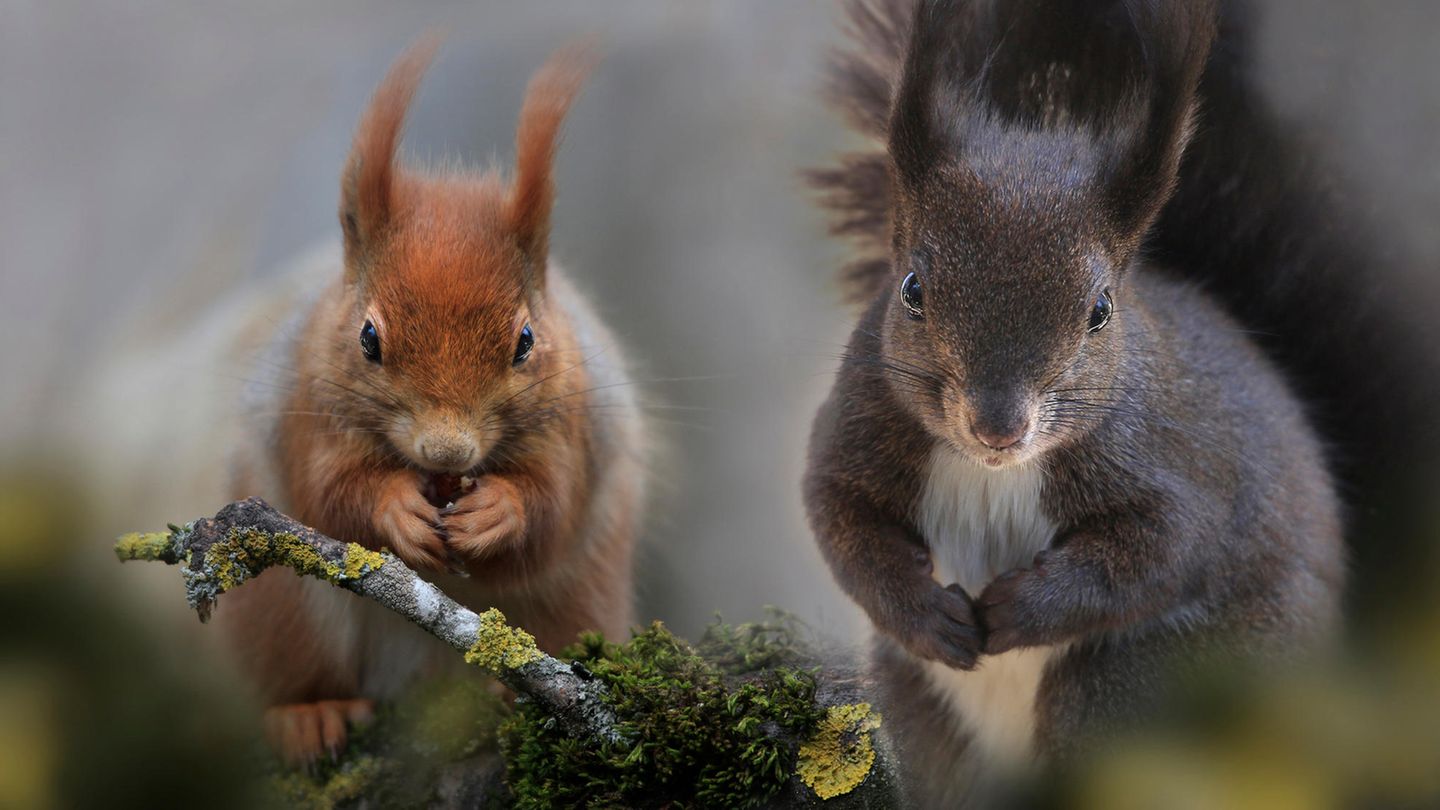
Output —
(1175, 41)
(537, 136)
(366, 188)
(1125, 70)
(932, 82)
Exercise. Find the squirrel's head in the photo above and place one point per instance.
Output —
(1032, 145)
(445, 343)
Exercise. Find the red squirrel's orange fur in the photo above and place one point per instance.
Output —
(449, 269)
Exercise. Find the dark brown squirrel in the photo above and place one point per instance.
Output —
(1048, 467)
(450, 397)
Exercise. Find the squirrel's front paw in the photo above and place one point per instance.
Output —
(1003, 609)
(944, 629)
(410, 523)
(488, 518)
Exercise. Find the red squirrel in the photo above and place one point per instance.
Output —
(1049, 469)
(449, 397)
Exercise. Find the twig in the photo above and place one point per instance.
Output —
(246, 537)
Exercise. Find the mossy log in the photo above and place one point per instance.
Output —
(842, 764)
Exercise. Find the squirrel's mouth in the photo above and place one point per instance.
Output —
(442, 490)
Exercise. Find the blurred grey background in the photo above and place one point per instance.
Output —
(157, 156)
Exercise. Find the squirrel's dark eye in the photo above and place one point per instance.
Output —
(913, 296)
(523, 346)
(1100, 313)
(370, 342)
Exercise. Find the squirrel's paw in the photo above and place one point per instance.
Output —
(488, 518)
(944, 629)
(301, 732)
(410, 523)
(1004, 610)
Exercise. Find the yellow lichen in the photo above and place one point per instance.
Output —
(246, 552)
(142, 546)
(499, 647)
(839, 757)
(360, 561)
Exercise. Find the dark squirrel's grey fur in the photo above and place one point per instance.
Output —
(1182, 500)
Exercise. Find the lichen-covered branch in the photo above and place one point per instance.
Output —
(837, 761)
(221, 553)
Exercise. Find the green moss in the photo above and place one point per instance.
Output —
(738, 649)
(338, 787)
(399, 758)
(448, 720)
(499, 647)
(724, 724)
(700, 736)
(839, 757)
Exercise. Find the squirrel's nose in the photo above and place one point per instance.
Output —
(1001, 437)
(999, 417)
(452, 452)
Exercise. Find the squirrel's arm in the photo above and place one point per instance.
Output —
(886, 569)
(1106, 574)
(854, 501)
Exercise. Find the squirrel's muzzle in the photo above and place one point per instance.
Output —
(444, 444)
(999, 420)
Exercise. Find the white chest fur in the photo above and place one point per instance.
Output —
(981, 522)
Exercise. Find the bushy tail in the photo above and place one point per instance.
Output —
(1267, 227)
(861, 83)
